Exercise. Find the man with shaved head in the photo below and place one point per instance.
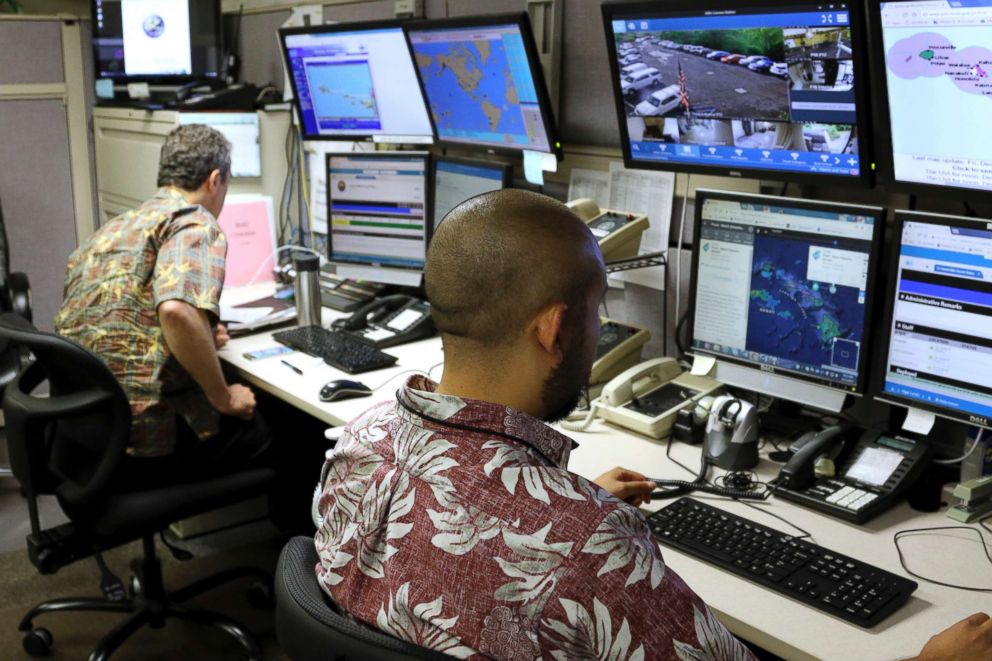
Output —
(448, 518)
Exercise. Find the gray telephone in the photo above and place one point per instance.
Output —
(618, 232)
(647, 397)
(619, 348)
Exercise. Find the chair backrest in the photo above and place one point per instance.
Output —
(71, 441)
(15, 290)
(310, 627)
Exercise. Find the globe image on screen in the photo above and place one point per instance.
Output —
(153, 25)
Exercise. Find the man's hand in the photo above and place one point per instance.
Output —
(239, 402)
(627, 485)
(971, 638)
(221, 336)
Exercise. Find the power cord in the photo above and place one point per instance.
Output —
(916, 531)
(958, 460)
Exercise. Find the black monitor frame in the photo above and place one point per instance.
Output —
(428, 160)
(871, 316)
(865, 178)
(522, 21)
(883, 136)
(879, 394)
(214, 80)
(335, 28)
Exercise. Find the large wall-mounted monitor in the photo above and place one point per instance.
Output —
(355, 81)
(935, 75)
(483, 82)
(939, 315)
(770, 89)
(781, 294)
(457, 180)
(163, 41)
(379, 212)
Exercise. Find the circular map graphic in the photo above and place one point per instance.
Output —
(153, 25)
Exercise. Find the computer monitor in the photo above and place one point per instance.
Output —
(782, 292)
(242, 130)
(483, 82)
(379, 207)
(769, 89)
(939, 315)
(163, 41)
(935, 71)
(355, 81)
(456, 180)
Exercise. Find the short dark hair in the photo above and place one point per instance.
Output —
(190, 153)
(499, 258)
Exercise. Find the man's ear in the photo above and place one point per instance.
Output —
(214, 180)
(547, 329)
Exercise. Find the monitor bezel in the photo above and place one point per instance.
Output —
(871, 318)
(885, 158)
(169, 79)
(865, 178)
(428, 159)
(337, 28)
(879, 394)
(505, 168)
(522, 21)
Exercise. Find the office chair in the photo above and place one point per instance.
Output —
(71, 444)
(310, 627)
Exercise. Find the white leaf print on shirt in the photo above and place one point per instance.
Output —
(421, 454)
(537, 569)
(516, 463)
(718, 644)
(379, 517)
(460, 529)
(582, 637)
(421, 625)
(624, 536)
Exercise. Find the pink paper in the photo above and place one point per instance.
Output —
(247, 224)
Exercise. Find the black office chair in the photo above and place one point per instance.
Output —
(310, 627)
(70, 444)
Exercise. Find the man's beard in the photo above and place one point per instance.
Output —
(563, 388)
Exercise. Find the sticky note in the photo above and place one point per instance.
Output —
(703, 365)
(919, 422)
(534, 167)
(104, 88)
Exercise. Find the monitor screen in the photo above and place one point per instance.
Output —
(938, 77)
(740, 89)
(457, 180)
(241, 130)
(939, 356)
(157, 39)
(379, 207)
(355, 81)
(483, 83)
(782, 293)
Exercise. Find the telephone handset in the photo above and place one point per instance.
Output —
(872, 471)
(618, 232)
(390, 320)
(619, 348)
(647, 397)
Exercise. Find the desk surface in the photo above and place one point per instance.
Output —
(766, 618)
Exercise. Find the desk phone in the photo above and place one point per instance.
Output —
(872, 472)
(618, 232)
(619, 348)
(390, 320)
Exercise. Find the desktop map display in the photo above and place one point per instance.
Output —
(809, 322)
(344, 90)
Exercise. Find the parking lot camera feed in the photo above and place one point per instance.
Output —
(765, 88)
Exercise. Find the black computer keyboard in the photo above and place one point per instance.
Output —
(340, 350)
(836, 584)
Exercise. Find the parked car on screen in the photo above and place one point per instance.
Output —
(780, 69)
(630, 59)
(760, 65)
(639, 80)
(746, 61)
(631, 68)
(660, 102)
(717, 54)
(731, 59)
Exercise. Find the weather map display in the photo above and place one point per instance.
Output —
(771, 88)
(355, 81)
(784, 286)
(480, 86)
(938, 69)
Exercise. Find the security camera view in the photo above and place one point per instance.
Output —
(769, 89)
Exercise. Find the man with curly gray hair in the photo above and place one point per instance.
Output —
(143, 294)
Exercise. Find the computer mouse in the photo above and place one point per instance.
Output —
(335, 391)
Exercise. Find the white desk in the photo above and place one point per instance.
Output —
(766, 618)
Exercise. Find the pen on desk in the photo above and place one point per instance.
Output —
(291, 366)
